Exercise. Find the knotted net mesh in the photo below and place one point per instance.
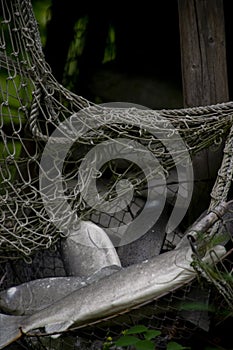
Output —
(37, 111)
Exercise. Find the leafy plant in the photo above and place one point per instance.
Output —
(141, 338)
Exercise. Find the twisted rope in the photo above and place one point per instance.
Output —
(51, 104)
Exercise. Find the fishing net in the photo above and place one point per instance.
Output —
(38, 112)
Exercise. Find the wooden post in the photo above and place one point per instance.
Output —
(203, 52)
(204, 76)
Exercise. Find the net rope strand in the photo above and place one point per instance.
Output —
(33, 104)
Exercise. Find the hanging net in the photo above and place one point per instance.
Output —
(54, 141)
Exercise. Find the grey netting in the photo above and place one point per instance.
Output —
(33, 106)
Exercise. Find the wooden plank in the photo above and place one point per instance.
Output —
(203, 52)
(204, 76)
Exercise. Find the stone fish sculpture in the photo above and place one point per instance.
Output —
(88, 250)
(110, 295)
(30, 297)
(88, 255)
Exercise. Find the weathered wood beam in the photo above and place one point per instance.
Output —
(204, 76)
(203, 52)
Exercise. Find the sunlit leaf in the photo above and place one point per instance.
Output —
(136, 329)
(145, 345)
(126, 340)
(150, 334)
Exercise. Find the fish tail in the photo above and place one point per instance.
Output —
(9, 329)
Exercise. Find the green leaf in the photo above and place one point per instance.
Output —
(126, 340)
(195, 306)
(136, 329)
(145, 345)
(150, 334)
(175, 346)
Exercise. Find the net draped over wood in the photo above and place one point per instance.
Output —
(34, 105)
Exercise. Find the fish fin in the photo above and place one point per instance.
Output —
(58, 327)
(9, 329)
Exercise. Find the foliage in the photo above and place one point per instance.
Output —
(42, 13)
(141, 338)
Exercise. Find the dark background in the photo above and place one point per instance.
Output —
(140, 64)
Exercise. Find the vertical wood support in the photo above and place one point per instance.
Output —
(204, 76)
(203, 52)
